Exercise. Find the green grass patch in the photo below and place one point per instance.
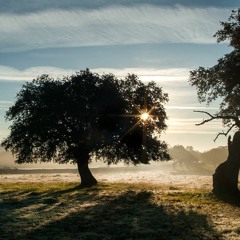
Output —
(113, 211)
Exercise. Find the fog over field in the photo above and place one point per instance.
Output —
(188, 168)
(184, 160)
(162, 173)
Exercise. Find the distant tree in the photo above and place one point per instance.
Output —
(184, 158)
(195, 153)
(188, 158)
(77, 118)
(222, 82)
(213, 157)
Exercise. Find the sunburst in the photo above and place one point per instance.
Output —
(144, 118)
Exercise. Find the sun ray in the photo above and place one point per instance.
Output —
(145, 101)
(145, 117)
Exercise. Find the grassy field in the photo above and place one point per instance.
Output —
(114, 211)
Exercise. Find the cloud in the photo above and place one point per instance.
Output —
(4, 105)
(13, 74)
(188, 125)
(149, 74)
(115, 25)
(191, 108)
(145, 74)
(26, 6)
(172, 80)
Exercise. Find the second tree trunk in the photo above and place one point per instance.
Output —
(225, 178)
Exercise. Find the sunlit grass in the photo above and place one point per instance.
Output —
(113, 211)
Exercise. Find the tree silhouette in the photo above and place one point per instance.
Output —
(78, 118)
(184, 158)
(222, 82)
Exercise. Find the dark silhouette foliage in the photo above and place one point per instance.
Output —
(77, 118)
(222, 80)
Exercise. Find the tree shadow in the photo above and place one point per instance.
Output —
(26, 198)
(22, 211)
(89, 214)
(232, 199)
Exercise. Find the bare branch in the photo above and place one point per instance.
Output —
(207, 120)
(212, 117)
(224, 133)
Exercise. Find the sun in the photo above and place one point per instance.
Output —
(144, 116)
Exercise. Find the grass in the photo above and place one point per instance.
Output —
(114, 211)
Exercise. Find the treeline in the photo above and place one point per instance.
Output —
(190, 159)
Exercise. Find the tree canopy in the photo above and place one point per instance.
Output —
(77, 118)
(222, 81)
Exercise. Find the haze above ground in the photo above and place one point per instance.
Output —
(157, 40)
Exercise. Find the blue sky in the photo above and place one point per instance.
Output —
(156, 39)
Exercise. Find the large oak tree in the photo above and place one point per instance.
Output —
(86, 116)
(222, 82)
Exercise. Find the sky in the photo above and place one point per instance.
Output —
(160, 40)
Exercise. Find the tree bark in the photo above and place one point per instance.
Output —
(87, 179)
(225, 178)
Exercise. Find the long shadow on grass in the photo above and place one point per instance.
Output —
(128, 215)
(23, 211)
(23, 199)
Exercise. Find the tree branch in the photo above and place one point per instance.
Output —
(224, 133)
(234, 118)
(212, 117)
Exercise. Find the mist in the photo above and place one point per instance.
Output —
(185, 161)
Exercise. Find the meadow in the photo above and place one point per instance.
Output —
(46, 207)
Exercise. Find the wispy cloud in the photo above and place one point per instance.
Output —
(4, 105)
(172, 80)
(188, 125)
(149, 74)
(145, 74)
(109, 26)
(13, 74)
(191, 108)
(25, 6)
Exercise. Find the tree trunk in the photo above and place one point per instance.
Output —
(87, 179)
(225, 178)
